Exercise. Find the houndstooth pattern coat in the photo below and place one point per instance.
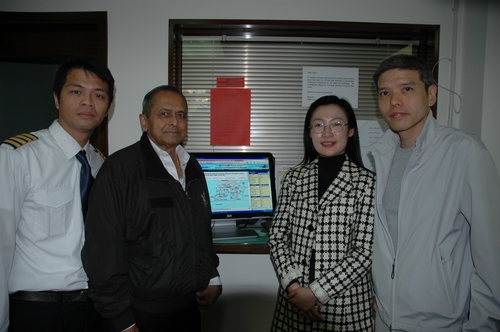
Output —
(342, 224)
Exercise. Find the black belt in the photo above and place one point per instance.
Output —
(51, 296)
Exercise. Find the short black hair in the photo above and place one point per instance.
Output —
(88, 65)
(147, 103)
(405, 61)
(352, 150)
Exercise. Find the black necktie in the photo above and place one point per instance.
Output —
(86, 180)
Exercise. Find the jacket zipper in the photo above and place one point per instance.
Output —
(186, 190)
(447, 280)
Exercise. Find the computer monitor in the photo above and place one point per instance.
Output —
(241, 184)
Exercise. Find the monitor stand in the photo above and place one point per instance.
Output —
(233, 229)
(232, 233)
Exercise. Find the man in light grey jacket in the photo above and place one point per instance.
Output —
(436, 260)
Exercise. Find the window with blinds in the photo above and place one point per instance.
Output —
(272, 68)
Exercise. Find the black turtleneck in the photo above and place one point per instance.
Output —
(328, 169)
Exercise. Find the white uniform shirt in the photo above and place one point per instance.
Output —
(41, 221)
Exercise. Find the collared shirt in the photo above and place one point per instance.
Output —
(41, 221)
(169, 165)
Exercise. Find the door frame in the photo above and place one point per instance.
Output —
(51, 38)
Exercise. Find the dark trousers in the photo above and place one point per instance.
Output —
(28, 316)
(186, 320)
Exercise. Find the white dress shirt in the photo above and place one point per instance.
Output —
(41, 221)
(168, 163)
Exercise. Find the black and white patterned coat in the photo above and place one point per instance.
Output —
(341, 223)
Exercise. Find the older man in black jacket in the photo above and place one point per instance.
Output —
(148, 250)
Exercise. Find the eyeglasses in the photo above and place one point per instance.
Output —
(335, 127)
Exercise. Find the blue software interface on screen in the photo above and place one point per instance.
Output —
(238, 185)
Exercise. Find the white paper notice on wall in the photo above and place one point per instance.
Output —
(321, 81)
(369, 132)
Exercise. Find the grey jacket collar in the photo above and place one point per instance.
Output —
(390, 140)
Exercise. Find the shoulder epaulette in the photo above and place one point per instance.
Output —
(20, 140)
(100, 153)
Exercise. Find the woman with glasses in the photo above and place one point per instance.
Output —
(321, 238)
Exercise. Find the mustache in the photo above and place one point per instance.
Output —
(172, 129)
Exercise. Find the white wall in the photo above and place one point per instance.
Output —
(491, 107)
(138, 59)
(471, 46)
(476, 110)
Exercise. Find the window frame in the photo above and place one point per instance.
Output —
(424, 39)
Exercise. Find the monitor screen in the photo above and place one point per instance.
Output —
(240, 184)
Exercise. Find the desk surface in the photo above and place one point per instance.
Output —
(256, 245)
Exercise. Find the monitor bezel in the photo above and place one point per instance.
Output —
(272, 174)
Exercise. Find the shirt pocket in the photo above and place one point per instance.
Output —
(53, 212)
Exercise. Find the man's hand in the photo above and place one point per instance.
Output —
(208, 296)
(133, 328)
(374, 307)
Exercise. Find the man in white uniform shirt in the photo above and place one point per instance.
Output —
(43, 286)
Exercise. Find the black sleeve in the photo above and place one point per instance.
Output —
(103, 252)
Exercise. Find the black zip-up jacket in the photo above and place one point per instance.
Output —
(148, 242)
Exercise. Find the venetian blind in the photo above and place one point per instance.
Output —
(273, 72)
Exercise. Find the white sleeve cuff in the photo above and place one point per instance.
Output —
(215, 282)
